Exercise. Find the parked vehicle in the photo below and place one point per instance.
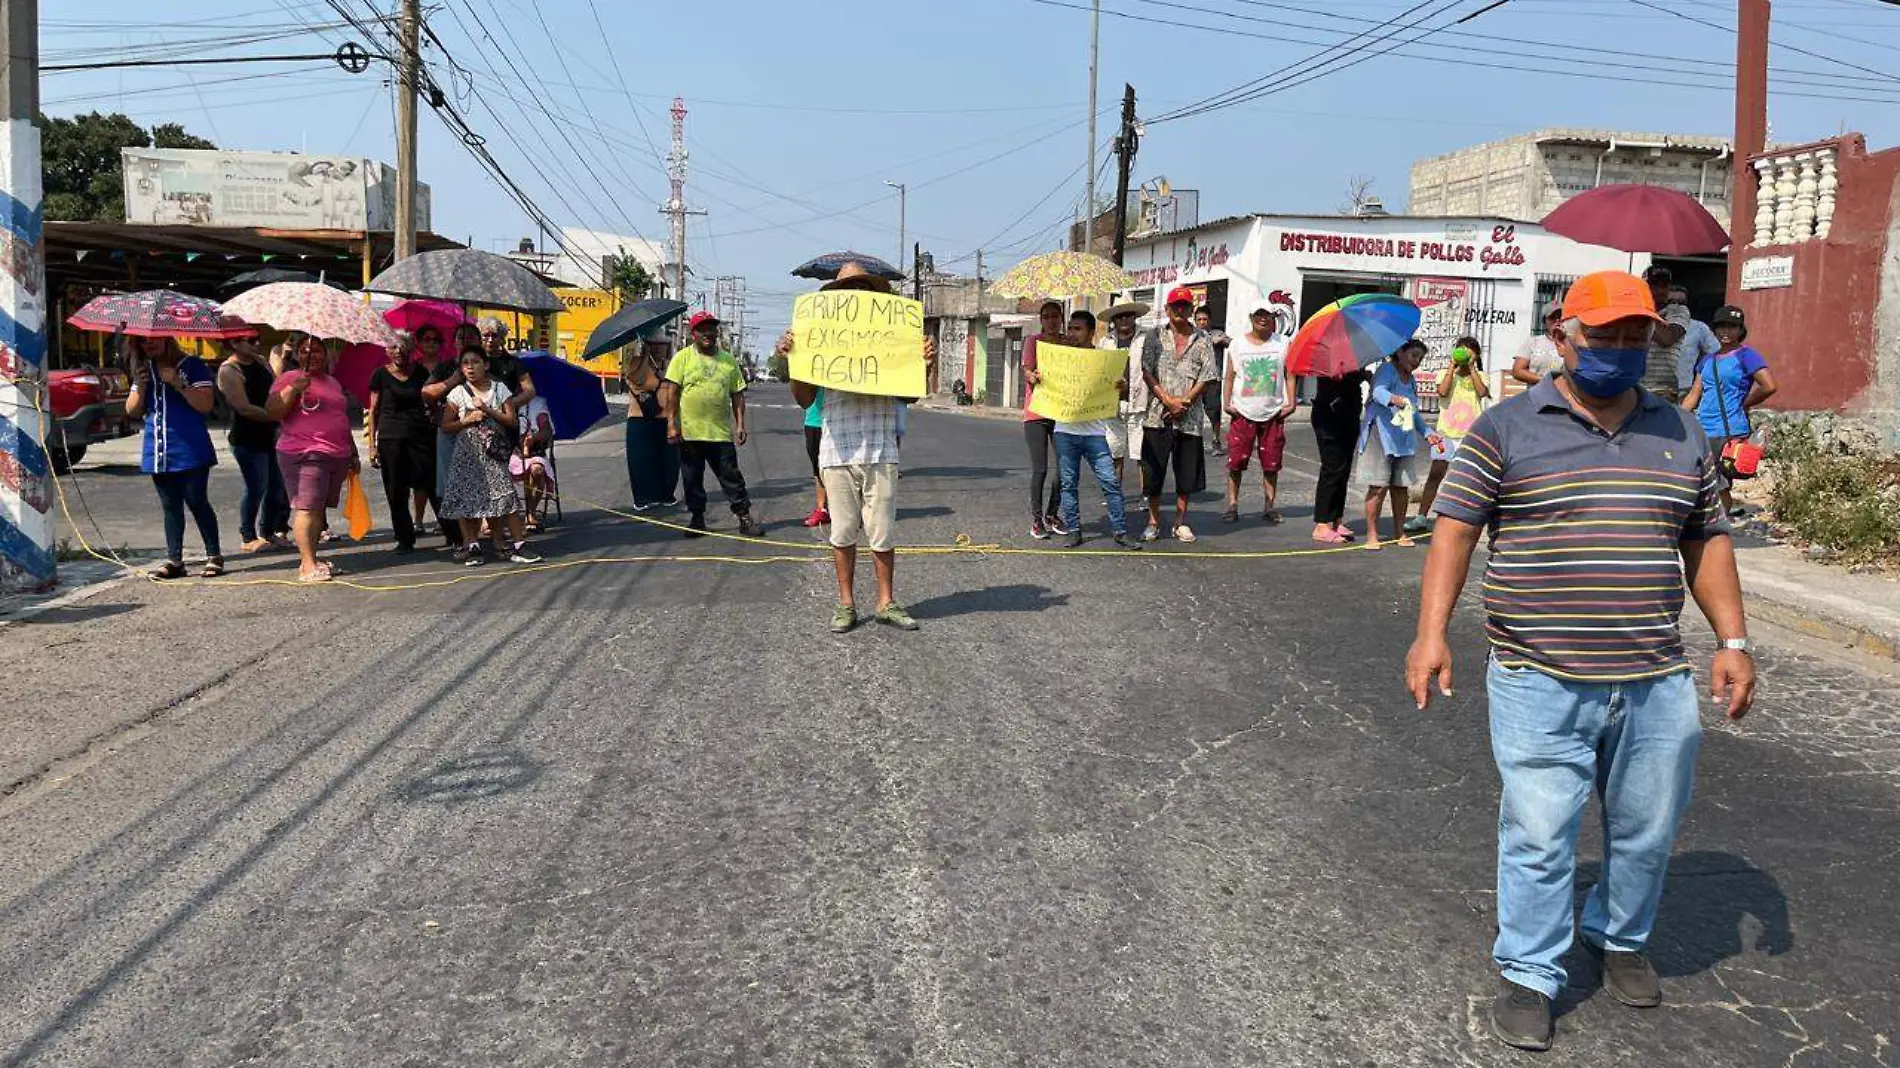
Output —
(86, 405)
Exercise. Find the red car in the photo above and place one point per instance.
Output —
(87, 404)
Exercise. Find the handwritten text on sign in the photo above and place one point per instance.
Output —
(1077, 384)
(859, 342)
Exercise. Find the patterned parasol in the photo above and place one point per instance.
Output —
(470, 276)
(1062, 274)
(155, 313)
(312, 309)
(827, 266)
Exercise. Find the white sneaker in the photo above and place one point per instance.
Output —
(1153, 533)
(1184, 534)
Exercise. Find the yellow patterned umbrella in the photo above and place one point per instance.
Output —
(1062, 274)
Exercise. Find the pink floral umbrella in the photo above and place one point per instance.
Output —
(310, 308)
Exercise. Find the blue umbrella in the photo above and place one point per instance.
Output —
(827, 266)
(575, 398)
(630, 323)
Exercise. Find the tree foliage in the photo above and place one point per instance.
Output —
(80, 160)
(627, 276)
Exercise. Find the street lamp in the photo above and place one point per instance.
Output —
(903, 203)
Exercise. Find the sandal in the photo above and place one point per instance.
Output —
(1272, 517)
(1329, 537)
(214, 568)
(170, 569)
(1231, 515)
(316, 574)
(1184, 534)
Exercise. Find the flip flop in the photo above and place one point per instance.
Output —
(214, 568)
(312, 577)
(167, 571)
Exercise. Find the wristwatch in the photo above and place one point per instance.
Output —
(1740, 645)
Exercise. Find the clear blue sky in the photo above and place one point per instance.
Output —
(800, 112)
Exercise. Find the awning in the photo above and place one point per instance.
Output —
(198, 259)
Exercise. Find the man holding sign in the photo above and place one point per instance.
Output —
(864, 345)
(1082, 388)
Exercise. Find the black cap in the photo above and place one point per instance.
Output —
(1729, 315)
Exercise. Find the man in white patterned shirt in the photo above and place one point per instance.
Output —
(857, 461)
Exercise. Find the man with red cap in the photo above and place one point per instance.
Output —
(1601, 502)
(1177, 365)
(704, 400)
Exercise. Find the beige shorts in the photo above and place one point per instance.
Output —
(863, 500)
(1118, 438)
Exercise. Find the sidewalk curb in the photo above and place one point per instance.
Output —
(977, 411)
(1806, 619)
(71, 597)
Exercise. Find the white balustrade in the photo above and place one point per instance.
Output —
(1829, 184)
(1764, 203)
(1797, 195)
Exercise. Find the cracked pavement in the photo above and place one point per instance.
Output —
(1098, 811)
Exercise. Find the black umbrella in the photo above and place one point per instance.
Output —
(469, 276)
(827, 266)
(632, 320)
(264, 276)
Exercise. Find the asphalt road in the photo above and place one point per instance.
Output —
(640, 808)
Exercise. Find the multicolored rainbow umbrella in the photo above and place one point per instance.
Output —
(1352, 334)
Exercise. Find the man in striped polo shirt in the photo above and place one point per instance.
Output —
(1600, 497)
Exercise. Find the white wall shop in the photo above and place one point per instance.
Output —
(1490, 278)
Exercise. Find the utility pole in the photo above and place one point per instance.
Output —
(903, 209)
(675, 208)
(1751, 129)
(408, 75)
(1127, 142)
(27, 559)
(1088, 207)
(916, 271)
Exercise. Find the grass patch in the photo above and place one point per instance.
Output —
(1823, 495)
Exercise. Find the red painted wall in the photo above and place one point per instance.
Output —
(1818, 334)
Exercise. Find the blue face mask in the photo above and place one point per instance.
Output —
(1606, 373)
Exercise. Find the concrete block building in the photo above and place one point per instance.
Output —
(1524, 177)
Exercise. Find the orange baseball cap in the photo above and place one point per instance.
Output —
(1606, 296)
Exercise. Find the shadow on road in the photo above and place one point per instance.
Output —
(473, 777)
(1711, 900)
(925, 512)
(78, 614)
(1017, 598)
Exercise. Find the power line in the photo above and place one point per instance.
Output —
(1778, 44)
(1725, 86)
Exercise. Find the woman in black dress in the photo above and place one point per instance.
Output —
(402, 442)
(1336, 410)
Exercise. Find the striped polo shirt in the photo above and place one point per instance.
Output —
(1585, 576)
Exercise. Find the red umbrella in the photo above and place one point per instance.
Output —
(156, 313)
(413, 315)
(1639, 218)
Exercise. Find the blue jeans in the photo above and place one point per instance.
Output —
(263, 492)
(1635, 743)
(177, 491)
(1071, 450)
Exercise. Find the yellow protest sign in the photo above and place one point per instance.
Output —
(1077, 384)
(859, 342)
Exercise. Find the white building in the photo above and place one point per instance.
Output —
(583, 262)
(1488, 277)
(1527, 176)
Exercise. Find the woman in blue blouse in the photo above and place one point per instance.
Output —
(1728, 386)
(174, 392)
(1390, 439)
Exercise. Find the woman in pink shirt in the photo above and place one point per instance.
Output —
(316, 447)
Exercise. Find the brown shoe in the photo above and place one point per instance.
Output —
(1520, 1017)
(1629, 977)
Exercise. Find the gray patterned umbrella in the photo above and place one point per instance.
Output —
(470, 276)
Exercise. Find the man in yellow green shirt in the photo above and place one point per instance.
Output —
(704, 400)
